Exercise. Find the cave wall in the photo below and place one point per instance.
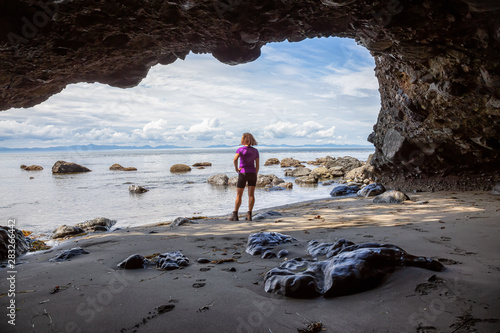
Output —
(436, 62)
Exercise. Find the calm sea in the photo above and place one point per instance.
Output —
(50, 200)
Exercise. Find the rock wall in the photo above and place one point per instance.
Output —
(437, 63)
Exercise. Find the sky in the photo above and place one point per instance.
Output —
(314, 92)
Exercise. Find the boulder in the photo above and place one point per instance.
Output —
(134, 261)
(261, 242)
(22, 242)
(342, 190)
(347, 163)
(233, 181)
(391, 197)
(23, 166)
(129, 169)
(263, 180)
(286, 185)
(66, 231)
(97, 224)
(202, 164)
(219, 179)
(137, 189)
(336, 171)
(306, 180)
(68, 167)
(362, 173)
(272, 161)
(290, 162)
(116, 166)
(371, 190)
(180, 168)
(321, 173)
(323, 160)
(298, 172)
(32, 167)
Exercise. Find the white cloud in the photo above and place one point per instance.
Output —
(309, 129)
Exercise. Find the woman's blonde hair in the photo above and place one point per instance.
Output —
(248, 139)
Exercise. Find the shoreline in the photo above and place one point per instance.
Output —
(457, 228)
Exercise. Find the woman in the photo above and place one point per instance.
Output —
(247, 173)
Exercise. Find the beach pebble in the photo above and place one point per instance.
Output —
(203, 261)
(135, 261)
(171, 260)
(260, 242)
(371, 190)
(342, 190)
(68, 254)
(391, 197)
(66, 230)
(265, 215)
(165, 308)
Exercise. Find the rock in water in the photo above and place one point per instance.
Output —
(32, 168)
(342, 190)
(391, 197)
(66, 230)
(219, 179)
(68, 254)
(353, 269)
(116, 166)
(180, 168)
(68, 167)
(171, 260)
(22, 243)
(371, 190)
(260, 242)
(272, 161)
(180, 221)
(137, 189)
(202, 164)
(135, 261)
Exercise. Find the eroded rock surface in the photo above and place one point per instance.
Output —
(22, 244)
(260, 242)
(68, 254)
(351, 269)
(439, 83)
(171, 260)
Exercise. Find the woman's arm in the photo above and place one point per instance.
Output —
(235, 162)
(257, 166)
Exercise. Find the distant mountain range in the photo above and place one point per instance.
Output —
(92, 147)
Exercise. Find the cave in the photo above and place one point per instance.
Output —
(436, 63)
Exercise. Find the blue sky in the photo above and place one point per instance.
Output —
(317, 91)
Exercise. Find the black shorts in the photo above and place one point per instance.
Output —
(243, 178)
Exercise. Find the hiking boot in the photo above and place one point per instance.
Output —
(249, 216)
(234, 216)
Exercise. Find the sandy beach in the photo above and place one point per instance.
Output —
(89, 293)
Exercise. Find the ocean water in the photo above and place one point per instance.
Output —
(50, 200)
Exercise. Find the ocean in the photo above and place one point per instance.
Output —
(49, 200)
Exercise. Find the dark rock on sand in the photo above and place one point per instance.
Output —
(342, 190)
(97, 224)
(353, 269)
(22, 243)
(135, 261)
(66, 230)
(371, 190)
(68, 254)
(68, 167)
(203, 261)
(272, 161)
(265, 215)
(282, 253)
(316, 249)
(171, 260)
(391, 197)
(219, 180)
(32, 167)
(260, 242)
(180, 168)
(137, 189)
(268, 254)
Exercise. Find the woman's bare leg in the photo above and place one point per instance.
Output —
(239, 195)
(251, 197)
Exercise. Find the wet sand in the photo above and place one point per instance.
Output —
(461, 230)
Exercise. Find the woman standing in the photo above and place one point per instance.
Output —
(247, 173)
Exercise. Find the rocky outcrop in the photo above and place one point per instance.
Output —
(97, 224)
(178, 168)
(290, 162)
(346, 163)
(69, 254)
(67, 231)
(9, 235)
(68, 167)
(439, 83)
